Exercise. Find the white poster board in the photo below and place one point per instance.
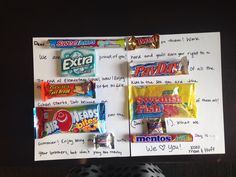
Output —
(203, 52)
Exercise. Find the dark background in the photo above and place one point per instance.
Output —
(20, 22)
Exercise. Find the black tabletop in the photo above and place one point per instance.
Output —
(21, 23)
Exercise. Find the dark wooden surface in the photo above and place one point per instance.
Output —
(203, 169)
(21, 22)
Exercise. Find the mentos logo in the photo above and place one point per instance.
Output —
(153, 138)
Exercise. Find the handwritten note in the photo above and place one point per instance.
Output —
(203, 52)
(111, 88)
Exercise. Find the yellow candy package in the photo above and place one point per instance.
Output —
(169, 100)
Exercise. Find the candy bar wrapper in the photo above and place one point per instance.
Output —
(49, 90)
(161, 138)
(169, 100)
(78, 62)
(79, 119)
(142, 42)
(159, 68)
(105, 140)
(156, 126)
(86, 43)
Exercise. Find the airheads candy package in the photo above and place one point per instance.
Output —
(170, 100)
(159, 68)
(49, 90)
(78, 62)
(79, 119)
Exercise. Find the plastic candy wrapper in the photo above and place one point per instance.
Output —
(79, 119)
(169, 100)
(156, 126)
(129, 43)
(105, 140)
(160, 68)
(49, 90)
(78, 62)
(142, 42)
(161, 138)
(86, 43)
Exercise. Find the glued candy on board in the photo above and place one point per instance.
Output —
(156, 126)
(169, 100)
(49, 90)
(142, 42)
(79, 119)
(159, 68)
(86, 43)
(105, 140)
(161, 138)
(78, 62)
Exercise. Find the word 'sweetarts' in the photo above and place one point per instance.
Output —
(68, 43)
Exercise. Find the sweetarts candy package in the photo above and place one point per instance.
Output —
(86, 43)
(169, 100)
(78, 119)
(159, 68)
(78, 62)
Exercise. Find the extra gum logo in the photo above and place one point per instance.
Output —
(74, 62)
